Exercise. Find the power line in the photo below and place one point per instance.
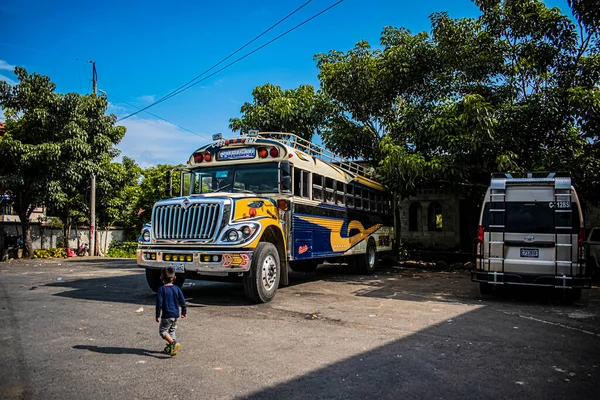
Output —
(195, 81)
(155, 116)
(176, 91)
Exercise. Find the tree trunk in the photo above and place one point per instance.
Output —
(24, 215)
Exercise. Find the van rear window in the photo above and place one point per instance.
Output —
(529, 217)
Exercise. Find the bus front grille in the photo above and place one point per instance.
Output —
(196, 222)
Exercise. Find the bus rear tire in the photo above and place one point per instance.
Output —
(261, 282)
(367, 263)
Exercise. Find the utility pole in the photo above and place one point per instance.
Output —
(93, 182)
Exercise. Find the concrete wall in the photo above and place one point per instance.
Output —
(448, 237)
(46, 237)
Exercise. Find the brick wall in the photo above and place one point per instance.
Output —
(448, 237)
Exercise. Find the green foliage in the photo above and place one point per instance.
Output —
(53, 143)
(118, 192)
(50, 253)
(122, 249)
(151, 190)
(300, 111)
(514, 89)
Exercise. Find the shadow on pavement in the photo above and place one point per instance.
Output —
(104, 262)
(482, 354)
(121, 350)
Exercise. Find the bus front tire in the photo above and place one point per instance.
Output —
(261, 282)
(367, 263)
(154, 281)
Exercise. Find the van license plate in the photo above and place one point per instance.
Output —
(178, 267)
(533, 253)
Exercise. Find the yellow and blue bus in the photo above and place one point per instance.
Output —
(253, 207)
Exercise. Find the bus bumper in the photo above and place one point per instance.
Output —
(204, 262)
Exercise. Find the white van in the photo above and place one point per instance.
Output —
(531, 233)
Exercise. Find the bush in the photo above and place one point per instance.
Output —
(122, 249)
(50, 253)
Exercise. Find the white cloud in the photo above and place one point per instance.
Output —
(116, 109)
(149, 98)
(6, 66)
(7, 80)
(151, 141)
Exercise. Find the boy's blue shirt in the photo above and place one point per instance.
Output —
(168, 301)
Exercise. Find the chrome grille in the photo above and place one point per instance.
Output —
(198, 221)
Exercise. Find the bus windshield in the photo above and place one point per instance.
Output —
(244, 178)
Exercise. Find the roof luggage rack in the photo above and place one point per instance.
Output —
(560, 180)
(296, 142)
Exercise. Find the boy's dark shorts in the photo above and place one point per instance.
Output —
(167, 325)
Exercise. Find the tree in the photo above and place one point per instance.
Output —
(53, 143)
(300, 111)
(118, 192)
(152, 189)
(514, 89)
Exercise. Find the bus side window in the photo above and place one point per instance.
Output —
(358, 197)
(317, 187)
(379, 203)
(373, 197)
(340, 193)
(305, 191)
(329, 190)
(297, 182)
(350, 196)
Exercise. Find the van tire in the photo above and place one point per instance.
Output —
(261, 282)
(367, 263)
(486, 288)
(573, 294)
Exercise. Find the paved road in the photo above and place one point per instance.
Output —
(76, 330)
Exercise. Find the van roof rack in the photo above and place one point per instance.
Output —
(560, 180)
(298, 143)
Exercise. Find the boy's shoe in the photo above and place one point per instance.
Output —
(168, 348)
(174, 349)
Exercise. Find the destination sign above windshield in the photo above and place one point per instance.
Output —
(237, 154)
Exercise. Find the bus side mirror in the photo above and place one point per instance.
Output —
(168, 184)
(285, 177)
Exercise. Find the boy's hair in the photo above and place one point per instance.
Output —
(167, 274)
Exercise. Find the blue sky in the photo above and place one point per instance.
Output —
(145, 49)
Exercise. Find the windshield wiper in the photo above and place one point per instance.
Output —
(220, 188)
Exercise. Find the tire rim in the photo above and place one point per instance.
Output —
(371, 257)
(269, 272)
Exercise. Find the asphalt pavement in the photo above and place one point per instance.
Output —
(85, 329)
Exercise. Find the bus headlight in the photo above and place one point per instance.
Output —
(240, 234)
(145, 236)
(232, 235)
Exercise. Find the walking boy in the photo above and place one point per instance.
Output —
(168, 300)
